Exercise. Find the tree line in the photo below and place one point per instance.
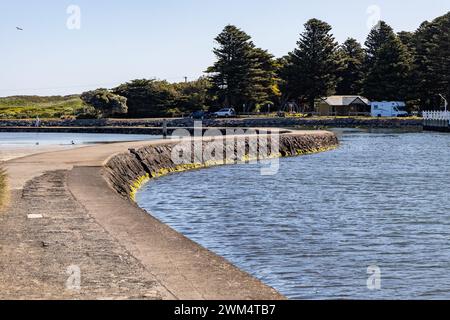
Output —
(405, 66)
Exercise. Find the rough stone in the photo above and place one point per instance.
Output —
(123, 170)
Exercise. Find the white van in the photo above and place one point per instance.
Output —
(389, 109)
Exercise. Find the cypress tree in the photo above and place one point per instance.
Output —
(431, 62)
(265, 83)
(388, 65)
(310, 71)
(242, 72)
(351, 73)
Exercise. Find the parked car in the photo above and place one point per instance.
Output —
(225, 113)
(389, 109)
(200, 114)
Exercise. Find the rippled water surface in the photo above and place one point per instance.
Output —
(312, 230)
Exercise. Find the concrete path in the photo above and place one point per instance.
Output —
(39, 256)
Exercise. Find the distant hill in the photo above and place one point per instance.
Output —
(22, 107)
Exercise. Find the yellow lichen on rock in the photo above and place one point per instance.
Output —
(137, 184)
(300, 152)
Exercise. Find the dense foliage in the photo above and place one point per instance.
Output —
(310, 70)
(408, 66)
(388, 65)
(243, 75)
(351, 72)
(105, 102)
(153, 98)
(430, 48)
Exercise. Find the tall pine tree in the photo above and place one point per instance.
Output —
(242, 74)
(311, 69)
(267, 78)
(388, 65)
(431, 71)
(440, 55)
(351, 73)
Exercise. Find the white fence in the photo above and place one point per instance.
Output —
(439, 120)
(436, 115)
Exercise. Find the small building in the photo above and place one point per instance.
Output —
(344, 106)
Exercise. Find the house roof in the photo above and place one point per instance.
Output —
(345, 100)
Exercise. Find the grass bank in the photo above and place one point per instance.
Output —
(2, 187)
(26, 107)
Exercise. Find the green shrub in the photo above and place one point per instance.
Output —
(105, 102)
(43, 107)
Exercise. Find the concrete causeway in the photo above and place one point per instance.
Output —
(64, 214)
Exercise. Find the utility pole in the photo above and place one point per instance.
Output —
(445, 102)
(165, 128)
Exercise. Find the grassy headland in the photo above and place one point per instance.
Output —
(26, 107)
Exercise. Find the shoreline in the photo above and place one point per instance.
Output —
(153, 126)
(85, 184)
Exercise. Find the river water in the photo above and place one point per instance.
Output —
(25, 139)
(382, 200)
(20, 144)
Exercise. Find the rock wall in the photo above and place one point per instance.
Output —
(128, 171)
(242, 122)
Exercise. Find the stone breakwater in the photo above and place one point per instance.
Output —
(126, 172)
(86, 220)
(111, 124)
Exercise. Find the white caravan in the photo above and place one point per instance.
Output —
(389, 109)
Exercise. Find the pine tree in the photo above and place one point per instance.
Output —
(431, 71)
(351, 73)
(407, 38)
(388, 65)
(311, 69)
(265, 84)
(241, 74)
(440, 55)
(376, 38)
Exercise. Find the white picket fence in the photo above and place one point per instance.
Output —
(436, 115)
(439, 120)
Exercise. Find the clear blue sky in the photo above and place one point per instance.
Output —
(167, 39)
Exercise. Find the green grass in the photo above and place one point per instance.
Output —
(2, 187)
(26, 107)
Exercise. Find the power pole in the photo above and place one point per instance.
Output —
(445, 101)
(165, 128)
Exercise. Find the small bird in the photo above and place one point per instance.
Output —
(18, 28)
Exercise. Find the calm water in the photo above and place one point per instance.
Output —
(9, 139)
(312, 230)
